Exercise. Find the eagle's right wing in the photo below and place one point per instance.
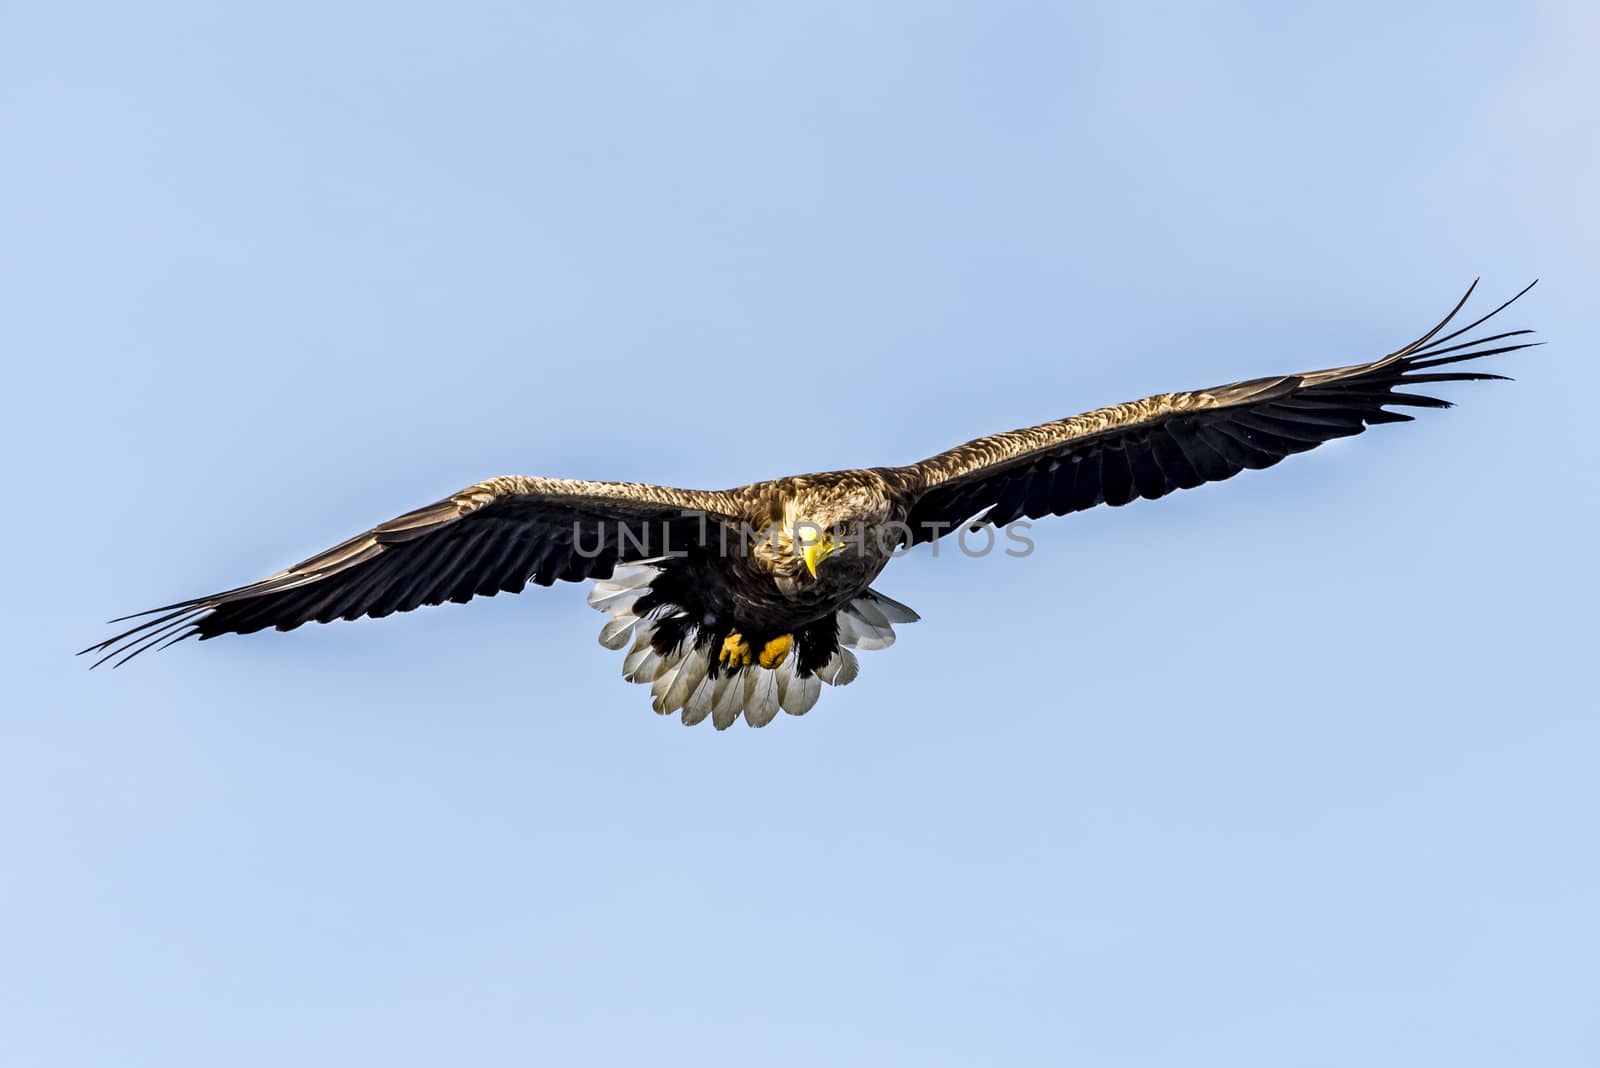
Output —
(496, 535)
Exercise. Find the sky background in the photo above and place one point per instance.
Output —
(1295, 770)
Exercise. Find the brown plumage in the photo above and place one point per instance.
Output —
(746, 600)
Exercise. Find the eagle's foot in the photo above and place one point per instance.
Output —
(736, 652)
(774, 652)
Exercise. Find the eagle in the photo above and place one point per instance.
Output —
(747, 601)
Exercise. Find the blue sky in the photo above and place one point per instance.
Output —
(1298, 769)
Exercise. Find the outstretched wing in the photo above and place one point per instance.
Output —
(497, 535)
(1150, 447)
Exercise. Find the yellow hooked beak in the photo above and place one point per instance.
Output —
(815, 547)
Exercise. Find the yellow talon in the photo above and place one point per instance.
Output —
(736, 652)
(774, 652)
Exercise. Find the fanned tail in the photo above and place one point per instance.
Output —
(683, 664)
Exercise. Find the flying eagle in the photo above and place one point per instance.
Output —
(747, 600)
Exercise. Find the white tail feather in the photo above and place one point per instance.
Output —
(892, 610)
(841, 668)
(760, 697)
(865, 610)
(619, 603)
(862, 633)
(671, 660)
(799, 695)
(698, 705)
(633, 666)
(617, 631)
(727, 702)
(691, 673)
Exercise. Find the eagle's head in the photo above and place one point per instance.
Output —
(836, 528)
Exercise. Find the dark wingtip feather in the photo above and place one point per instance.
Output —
(1379, 386)
(1418, 348)
(138, 639)
(1417, 344)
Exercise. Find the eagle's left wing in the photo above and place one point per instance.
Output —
(1150, 447)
